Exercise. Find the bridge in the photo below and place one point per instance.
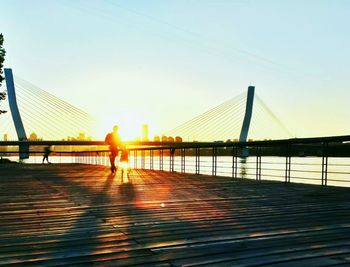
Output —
(35, 110)
(183, 204)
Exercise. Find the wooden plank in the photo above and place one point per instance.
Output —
(80, 215)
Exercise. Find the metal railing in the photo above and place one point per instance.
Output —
(324, 160)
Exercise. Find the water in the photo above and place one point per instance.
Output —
(38, 159)
(303, 169)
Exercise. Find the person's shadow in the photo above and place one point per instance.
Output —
(126, 188)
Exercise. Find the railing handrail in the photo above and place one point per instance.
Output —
(157, 145)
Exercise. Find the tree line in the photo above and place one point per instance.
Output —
(2, 59)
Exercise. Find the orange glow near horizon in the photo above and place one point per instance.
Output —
(130, 125)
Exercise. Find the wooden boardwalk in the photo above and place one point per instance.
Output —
(78, 215)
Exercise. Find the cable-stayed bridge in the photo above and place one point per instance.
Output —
(42, 113)
(50, 118)
(242, 117)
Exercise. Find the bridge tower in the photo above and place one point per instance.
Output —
(248, 114)
(16, 116)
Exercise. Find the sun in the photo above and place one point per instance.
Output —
(130, 125)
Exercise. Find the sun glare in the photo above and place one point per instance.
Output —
(124, 166)
(130, 125)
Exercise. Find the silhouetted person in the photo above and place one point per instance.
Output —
(47, 152)
(113, 140)
(124, 161)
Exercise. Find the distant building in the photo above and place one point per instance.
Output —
(156, 138)
(6, 137)
(81, 137)
(33, 137)
(145, 132)
(171, 139)
(178, 139)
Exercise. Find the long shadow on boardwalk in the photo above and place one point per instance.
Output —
(90, 238)
(87, 233)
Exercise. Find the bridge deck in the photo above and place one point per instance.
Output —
(77, 215)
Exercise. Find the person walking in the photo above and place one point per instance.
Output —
(124, 161)
(113, 140)
(47, 152)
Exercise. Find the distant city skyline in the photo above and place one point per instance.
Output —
(163, 63)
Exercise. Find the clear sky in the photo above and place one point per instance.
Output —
(162, 62)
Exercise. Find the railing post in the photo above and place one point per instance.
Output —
(171, 157)
(197, 160)
(236, 162)
(288, 164)
(135, 159)
(183, 160)
(325, 163)
(214, 161)
(151, 159)
(142, 159)
(234, 159)
(258, 163)
(161, 157)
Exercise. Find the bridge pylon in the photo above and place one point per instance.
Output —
(16, 116)
(247, 119)
(248, 114)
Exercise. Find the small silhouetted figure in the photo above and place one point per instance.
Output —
(47, 152)
(113, 140)
(124, 161)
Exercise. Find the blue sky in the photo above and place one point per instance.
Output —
(163, 62)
